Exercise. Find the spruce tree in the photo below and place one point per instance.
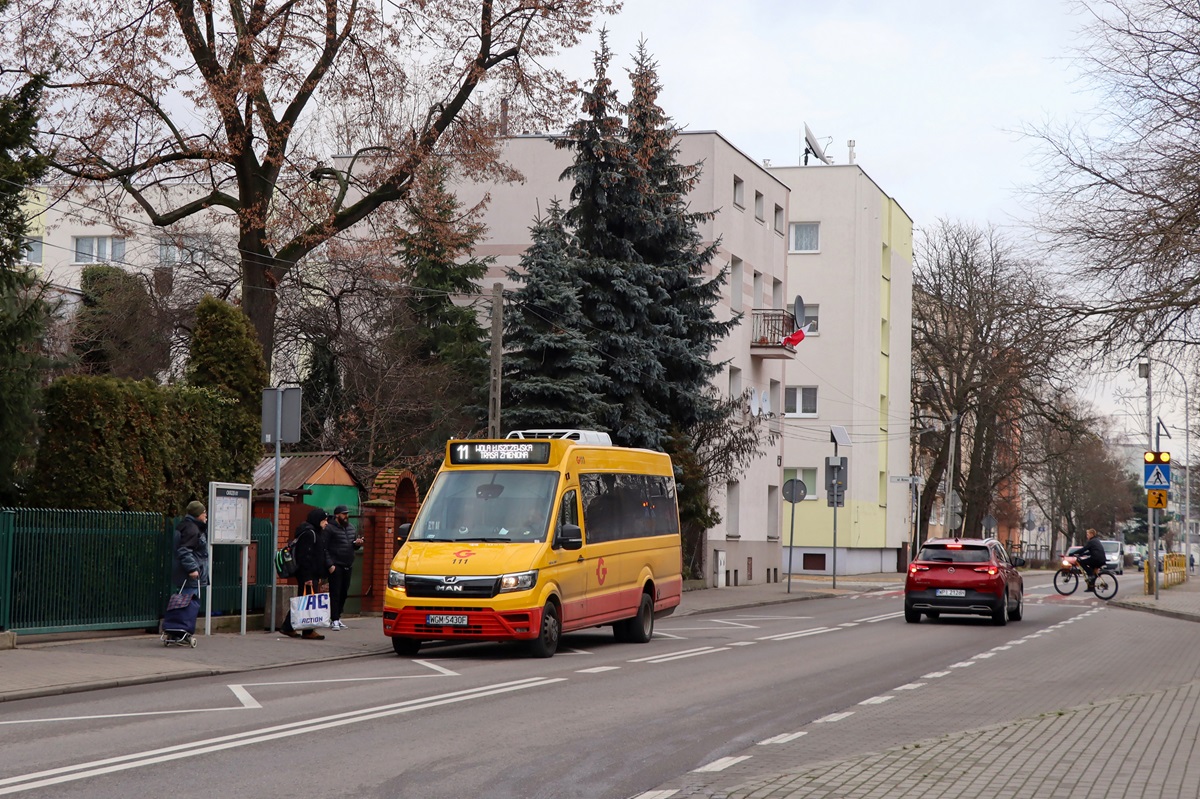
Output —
(24, 311)
(666, 235)
(434, 253)
(552, 375)
(618, 289)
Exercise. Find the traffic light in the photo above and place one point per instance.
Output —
(1158, 457)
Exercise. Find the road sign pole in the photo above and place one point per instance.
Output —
(791, 545)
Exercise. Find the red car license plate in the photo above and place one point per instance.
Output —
(951, 592)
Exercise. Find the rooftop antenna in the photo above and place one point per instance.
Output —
(813, 147)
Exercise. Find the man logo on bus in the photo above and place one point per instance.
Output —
(601, 571)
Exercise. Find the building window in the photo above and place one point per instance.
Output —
(809, 318)
(739, 192)
(735, 381)
(735, 284)
(800, 401)
(184, 250)
(33, 250)
(99, 249)
(808, 476)
(758, 206)
(805, 237)
(778, 219)
(732, 510)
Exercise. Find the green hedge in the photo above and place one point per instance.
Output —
(110, 444)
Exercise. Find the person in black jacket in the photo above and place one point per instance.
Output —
(341, 541)
(1091, 557)
(189, 550)
(310, 563)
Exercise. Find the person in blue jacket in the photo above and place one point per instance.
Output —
(189, 550)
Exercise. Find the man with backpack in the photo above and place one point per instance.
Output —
(308, 550)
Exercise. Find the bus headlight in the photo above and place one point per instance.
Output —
(395, 579)
(519, 581)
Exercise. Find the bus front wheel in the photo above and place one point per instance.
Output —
(546, 644)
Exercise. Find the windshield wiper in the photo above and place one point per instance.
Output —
(484, 538)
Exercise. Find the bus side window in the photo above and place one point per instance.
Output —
(568, 513)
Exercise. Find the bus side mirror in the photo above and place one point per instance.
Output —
(570, 536)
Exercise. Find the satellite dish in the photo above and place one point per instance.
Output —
(754, 401)
(798, 311)
(766, 404)
(811, 145)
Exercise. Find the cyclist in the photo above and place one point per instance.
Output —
(1091, 558)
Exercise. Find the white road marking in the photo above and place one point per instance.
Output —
(782, 739)
(962, 664)
(910, 686)
(884, 617)
(597, 669)
(775, 618)
(572, 651)
(834, 717)
(736, 624)
(876, 700)
(799, 634)
(669, 658)
(42, 779)
(983, 656)
(723, 763)
(1016, 642)
(934, 674)
(743, 643)
(1001, 648)
(244, 695)
(660, 634)
(657, 794)
(848, 624)
(437, 668)
(668, 654)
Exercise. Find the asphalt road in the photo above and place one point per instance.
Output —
(735, 694)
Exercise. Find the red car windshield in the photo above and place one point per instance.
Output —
(937, 553)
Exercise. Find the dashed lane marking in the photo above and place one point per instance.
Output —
(597, 669)
(845, 714)
(798, 634)
(723, 763)
(877, 700)
(782, 739)
(910, 686)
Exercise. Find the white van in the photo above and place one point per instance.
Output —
(1114, 555)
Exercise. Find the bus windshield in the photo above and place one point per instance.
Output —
(487, 505)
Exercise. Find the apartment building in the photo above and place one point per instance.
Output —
(751, 227)
(850, 260)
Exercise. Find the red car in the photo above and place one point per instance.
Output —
(972, 576)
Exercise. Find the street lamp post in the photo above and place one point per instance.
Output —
(1187, 456)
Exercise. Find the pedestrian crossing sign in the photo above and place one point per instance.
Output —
(1158, 475)
(1156, 498)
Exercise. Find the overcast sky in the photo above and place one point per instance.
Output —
(932, 91)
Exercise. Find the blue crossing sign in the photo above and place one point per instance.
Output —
(1158, 475)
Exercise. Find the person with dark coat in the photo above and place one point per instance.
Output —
(1091, 558)
(189, 550)
(310, 563)
(341, 542)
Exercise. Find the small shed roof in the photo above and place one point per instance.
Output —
(298, 469)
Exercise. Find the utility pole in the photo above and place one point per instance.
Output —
(950, 447)
(1151, 536)
(497, 360)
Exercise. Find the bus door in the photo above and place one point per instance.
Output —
(571, 572)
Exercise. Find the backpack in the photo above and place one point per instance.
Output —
(285, 560)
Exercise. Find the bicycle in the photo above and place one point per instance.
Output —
(1066, 580)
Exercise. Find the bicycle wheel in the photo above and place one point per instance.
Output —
(1106, 585)
(1065, 581)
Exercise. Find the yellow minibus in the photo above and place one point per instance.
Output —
(534, 535)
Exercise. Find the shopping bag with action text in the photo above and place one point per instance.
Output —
(310, 610)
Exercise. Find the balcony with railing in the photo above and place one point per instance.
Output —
(768, 328)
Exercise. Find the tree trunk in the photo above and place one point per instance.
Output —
(260, 281)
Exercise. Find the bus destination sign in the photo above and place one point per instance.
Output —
(468, 452)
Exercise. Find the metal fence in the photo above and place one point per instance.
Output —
(70, 570)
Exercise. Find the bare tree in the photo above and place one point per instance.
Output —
(985, 355)
(1121, 190)
(238, 109)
